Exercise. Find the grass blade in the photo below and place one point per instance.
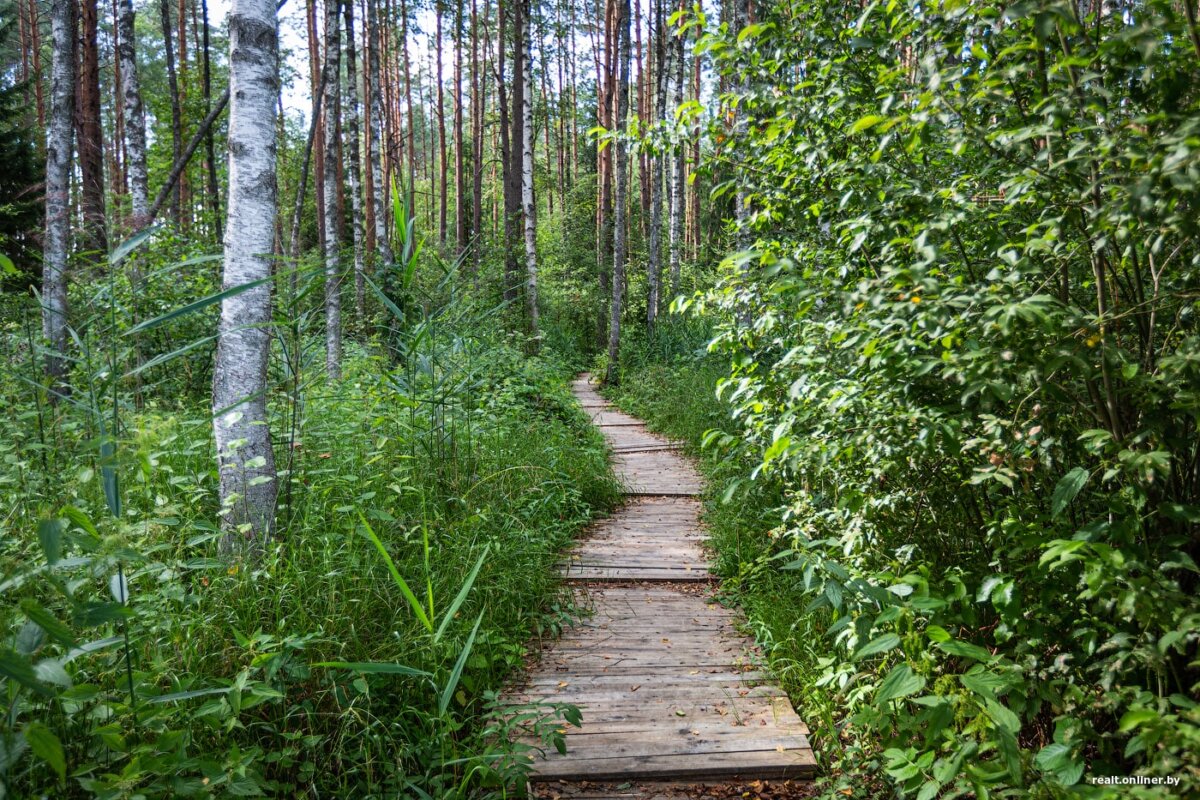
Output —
(203, 302)
(456, 673)
(374, 668)
(462, 595)
(400, 582)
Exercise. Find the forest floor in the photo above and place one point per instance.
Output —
(669, 688)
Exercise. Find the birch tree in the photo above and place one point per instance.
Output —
(678, 199)
(135, 117)
(375, 134)
(59, 142)
(245, 459)
(352, 144)
(654, 256)
(333, 283)
(527, 206)
(620, 193)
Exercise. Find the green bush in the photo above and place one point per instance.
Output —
(964, 343)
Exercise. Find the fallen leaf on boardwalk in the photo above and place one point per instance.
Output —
(680, 713)
(635, 688)
(561, 684)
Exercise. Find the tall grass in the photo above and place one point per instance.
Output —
(138, 663)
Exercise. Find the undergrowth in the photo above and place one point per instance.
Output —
(423, 504)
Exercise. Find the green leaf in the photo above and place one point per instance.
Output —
(50, 532)
(19, 670)
(55, 629)
(1066, 490)
(396, 577)
(7, 266)
(456, 673)
(374, 668)
(174, 697)
(870, 120)
(46, 746)
(190, 308)
(880, 644)
(449, 613)
(900, 682)
(1002, 716)
(964, 650)
(1134, 718)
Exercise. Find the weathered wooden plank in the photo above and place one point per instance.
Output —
(769, 765)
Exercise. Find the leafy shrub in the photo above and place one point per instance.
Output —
(964, 342)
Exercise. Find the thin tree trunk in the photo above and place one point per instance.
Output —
(441, 115)
(333, 281)
(460, 178)
(510, 143)
(620, 190)
(90, 138)
(678, 188)
(527, 137)
(352, 144)
(184, 187)
(314, 68)
(214, 193)
(164, 7)
(57, 242)
(118, 182)
(656, 165)
(245, 458)
(411, 189)
(135, 118)
(477, 107)
(35, 44)
(379, 188)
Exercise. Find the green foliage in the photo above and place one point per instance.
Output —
(138, 663)
(963, 345)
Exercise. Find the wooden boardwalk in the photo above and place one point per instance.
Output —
(668, 688)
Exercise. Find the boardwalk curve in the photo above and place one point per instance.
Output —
(668, 687)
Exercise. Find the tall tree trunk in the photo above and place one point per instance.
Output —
(316, 87)
(35, 45)
(352, 144)
(118, 183)
(678, 188)
(59, 139)
(477, 108)
(245, 457)
(185, 198)
(333, 281)
(527, 137)
(214, 193)
(620, 200)
(90, 138)
(655, 164)
(135, 117)
(411, 154)
(164, 8)
(379, 188)
(510, 143)
(441, 119)
(460, 178)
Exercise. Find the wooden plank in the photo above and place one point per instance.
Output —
(764, 765)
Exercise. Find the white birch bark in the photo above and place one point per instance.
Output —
(620, 192)
(333, 280)
(675, 224)
(245, 458)
(658, 160)
(135, 116)
(59, 141)
(527, 206)
(375, 132)
(352, 145)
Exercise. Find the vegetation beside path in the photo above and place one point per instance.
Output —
(208, 680)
